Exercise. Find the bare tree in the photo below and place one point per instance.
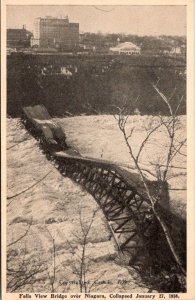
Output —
(83, 262)
(52, 278)
(170, 123)
(22, 271)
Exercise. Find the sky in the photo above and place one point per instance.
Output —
(128, 19)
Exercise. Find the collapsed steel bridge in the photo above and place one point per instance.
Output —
(119, 193)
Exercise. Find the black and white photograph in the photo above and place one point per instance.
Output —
(96, 151)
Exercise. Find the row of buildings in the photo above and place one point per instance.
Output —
(49, 32)
(58, 34)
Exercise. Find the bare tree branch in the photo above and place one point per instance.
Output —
(95, 280)
(164, 99)
(21, 237)
(146, 139)
(170, 125)
(30, 138)
(53, 277)
(27, 189)
(177, 108)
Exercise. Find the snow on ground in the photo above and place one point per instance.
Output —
(51, 213)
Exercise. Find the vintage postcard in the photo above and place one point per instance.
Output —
(98, 150)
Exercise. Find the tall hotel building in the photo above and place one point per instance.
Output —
(57, 33)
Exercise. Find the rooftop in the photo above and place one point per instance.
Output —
(125, 46)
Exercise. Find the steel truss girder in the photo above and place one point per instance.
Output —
(115, 198)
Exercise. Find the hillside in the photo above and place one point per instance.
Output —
(93, 84)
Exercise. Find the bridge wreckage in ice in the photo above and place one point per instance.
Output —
(119, 193)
